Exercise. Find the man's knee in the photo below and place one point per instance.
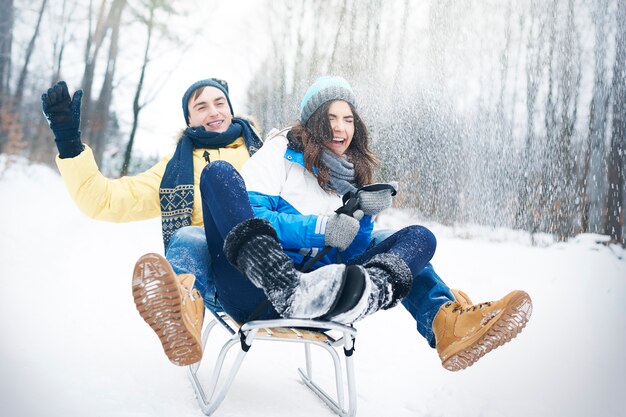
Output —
(189, 236)
(217, 169)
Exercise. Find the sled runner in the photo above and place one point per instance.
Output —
(307, 332)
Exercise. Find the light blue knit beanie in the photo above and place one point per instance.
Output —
(325, 89)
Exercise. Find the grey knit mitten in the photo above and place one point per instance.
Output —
(373, 202)
(341, 230)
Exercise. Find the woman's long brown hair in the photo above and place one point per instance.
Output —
(313, 136)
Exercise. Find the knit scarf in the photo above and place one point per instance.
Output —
(341, 172)
(176, 190)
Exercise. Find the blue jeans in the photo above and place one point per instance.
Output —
(188, 253)
(428, 293)
(225, 204)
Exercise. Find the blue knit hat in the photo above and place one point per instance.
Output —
(210, 82)
(325, 89)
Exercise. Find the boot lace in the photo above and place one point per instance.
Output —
(458, 309)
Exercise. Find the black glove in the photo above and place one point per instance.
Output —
(63, 117)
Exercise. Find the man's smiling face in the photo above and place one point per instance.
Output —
(210, 109)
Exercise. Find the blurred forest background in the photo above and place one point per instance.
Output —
(506, 113)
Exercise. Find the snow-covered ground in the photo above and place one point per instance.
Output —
(72, 343)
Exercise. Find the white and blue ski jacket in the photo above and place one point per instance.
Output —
(283, 192)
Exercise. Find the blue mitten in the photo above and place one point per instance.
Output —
(63, 116)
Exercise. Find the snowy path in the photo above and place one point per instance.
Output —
(73, 345)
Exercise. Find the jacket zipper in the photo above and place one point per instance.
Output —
(207, 157)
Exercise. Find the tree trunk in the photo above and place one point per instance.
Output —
(617, 159)
(102, 107)
(569, 88)
(594, 162)
(314, 56)
(59, 45)
(401, 54)
(332, 66)
(6, 41)
(353, 40)
(19, 89)
(526, 216)
(92, 49)
(518, 61)
(136, 105)
(299, 61)
(504, 135)
(376, 37)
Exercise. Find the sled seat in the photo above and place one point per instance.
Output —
(329, 336)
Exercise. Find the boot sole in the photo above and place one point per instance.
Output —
(158, 300)
(506, 327)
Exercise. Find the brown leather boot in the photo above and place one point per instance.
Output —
(171, 306)
(466, 332)
(461, 298)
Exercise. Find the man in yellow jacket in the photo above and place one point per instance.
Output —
(170, 189)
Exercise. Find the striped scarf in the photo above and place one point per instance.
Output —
(177, 185)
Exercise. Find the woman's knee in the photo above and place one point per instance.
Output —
(424, 238)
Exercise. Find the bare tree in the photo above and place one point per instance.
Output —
(526, 217)
(402, 42)
(95, 39)
(562, 173)
(19, 89)
(138, 105)
(504, 73)
(6, 41)
(617, 159)
(318, 18)
(299, 64)
(332, 63)
(60, 41)
(594, 161)
(516, 161)
(98, 118)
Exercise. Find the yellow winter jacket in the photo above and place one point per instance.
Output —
(135, 197)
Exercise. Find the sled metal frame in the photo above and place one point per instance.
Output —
(211, 396)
